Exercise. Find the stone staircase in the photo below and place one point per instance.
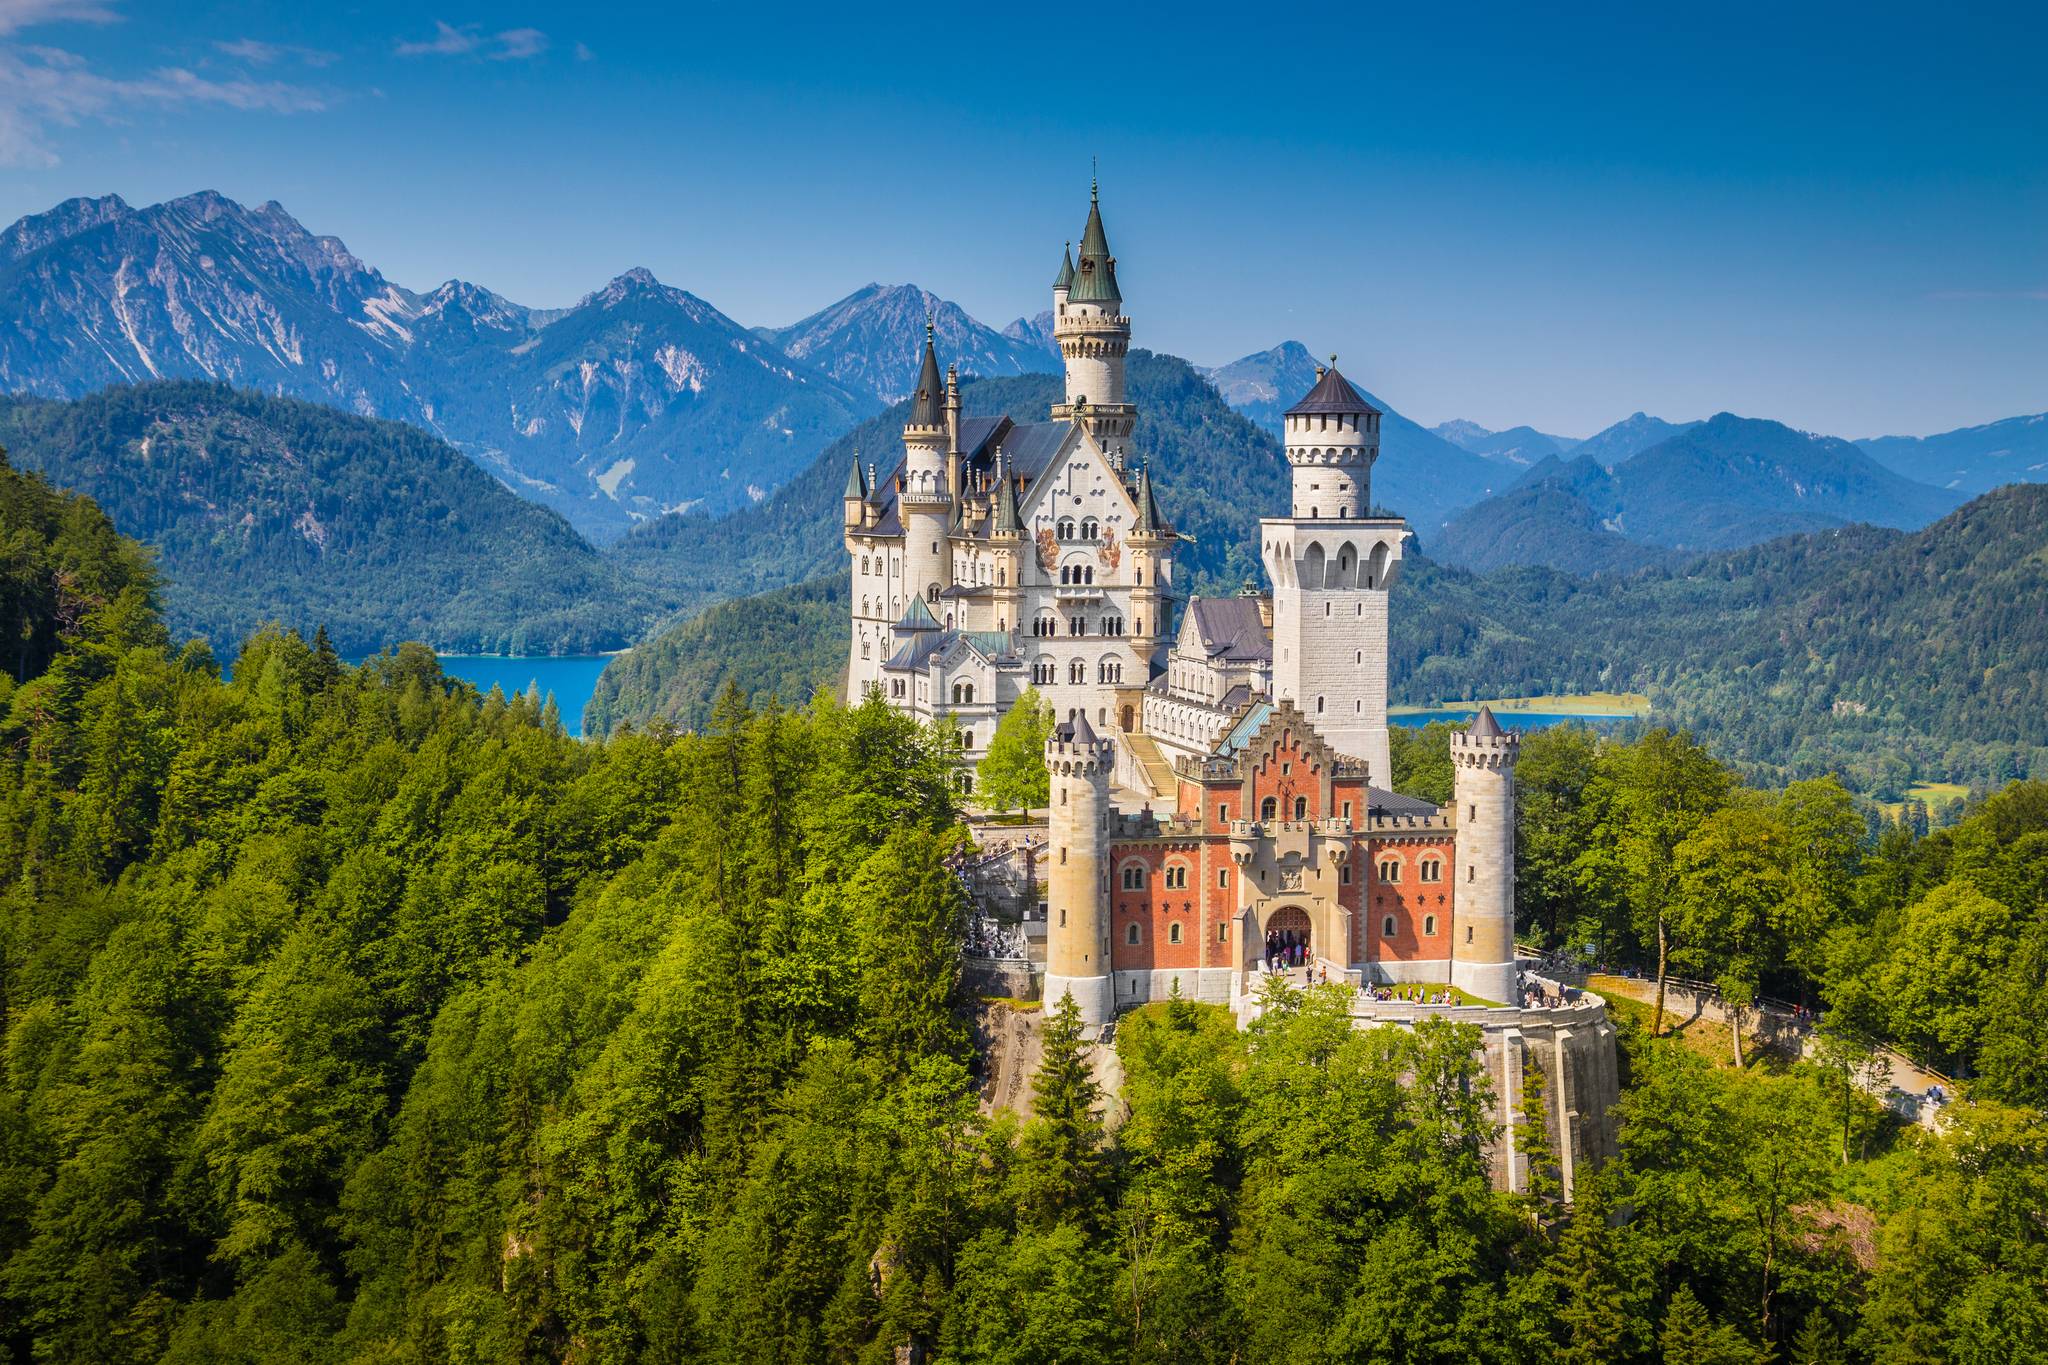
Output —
(1158, 772)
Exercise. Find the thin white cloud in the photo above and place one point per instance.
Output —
(448, 41)
(470, 40)
(518, 44)
(42, 87)
(16, 15)
(256, 52)
(584, 54)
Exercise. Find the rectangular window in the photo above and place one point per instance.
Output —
(1223, 877)
(1223, 933)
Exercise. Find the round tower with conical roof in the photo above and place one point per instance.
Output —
(1483, 901)
(1094, 338)
(1077, 883)
(1332, 438)
(1331, 563)
(926, 498)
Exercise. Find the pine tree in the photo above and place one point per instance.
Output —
(1059, 1164)
(1818, 1343)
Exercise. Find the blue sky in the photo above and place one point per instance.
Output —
(1836, 217)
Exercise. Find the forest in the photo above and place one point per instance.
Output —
(266, 509)
(351, 1016)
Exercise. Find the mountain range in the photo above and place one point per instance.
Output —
(872, 340)
(1522, 445)
(638, 400)
(1726, 482)
(1972, 459)
(1419, 474)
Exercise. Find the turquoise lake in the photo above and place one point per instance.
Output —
(1513, 720)
(572, 678)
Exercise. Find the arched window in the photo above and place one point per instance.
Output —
(1088, 528)
(1134, 877)
(1131, 934)
(1088, 573)
(1387, 927)
(1269, 809)
(1429, 926)
(1065, 530)
(1300, 807)
(1176, 876)
(1077, 672)
(1432, 869)
(1319, 706)
(864, 649)
(1390, 869)
(1173, 932)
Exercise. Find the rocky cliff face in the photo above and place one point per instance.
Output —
(871, 341)
(638, 400)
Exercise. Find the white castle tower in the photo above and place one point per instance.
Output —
(1331, 562)
(1094, 337)
(1483, 902)
(926, 499)
(1077, 885)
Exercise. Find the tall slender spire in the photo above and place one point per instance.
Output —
(928, 405)
(1065, 279)
(1095, 275)
(1005, 518)
(856, 482)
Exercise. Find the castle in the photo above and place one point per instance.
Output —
(1000, 556)
(1220, 792)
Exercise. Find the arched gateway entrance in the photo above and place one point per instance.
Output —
(1289, 937)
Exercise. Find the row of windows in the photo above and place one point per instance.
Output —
(1106, 671)
(963, 694)
(1431, 869)
(1047, 626)
(1077, 573)
(1134, 935)
(1176, 877)
(1089, 528)
(1389, 927)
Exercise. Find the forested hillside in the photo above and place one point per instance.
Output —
(1882, 656)
(271, 509)
(784, 644)
(1879, 655)
(352, 1018)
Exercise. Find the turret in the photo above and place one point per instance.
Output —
(1331, 562)
(855, 500)
(926, 500)
(1063, 283)
(1150, 545)
(1333, 437)
(953, 451)
(1483, 901)
(1094, 337)
(1077, 885)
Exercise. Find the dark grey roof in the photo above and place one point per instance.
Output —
(857, 481)
(1380, 801)
(1235, 697)
(1065, 279)
(1079, 731)
(928, 401)
(1150, 518)
(1027, 450)
(1484, 726)
(1332, 394)
(1231, 628)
